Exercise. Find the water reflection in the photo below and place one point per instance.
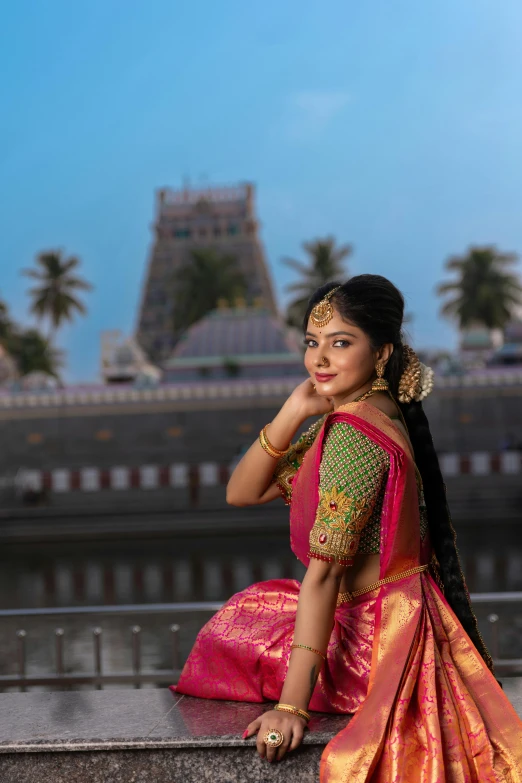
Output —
(205, 568)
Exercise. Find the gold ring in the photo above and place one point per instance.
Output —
(274, 738)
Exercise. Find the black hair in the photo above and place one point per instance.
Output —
(376, 306)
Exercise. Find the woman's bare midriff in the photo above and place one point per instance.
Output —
(364, 572)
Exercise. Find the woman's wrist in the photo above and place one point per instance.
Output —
(283, 427)
(296, 699)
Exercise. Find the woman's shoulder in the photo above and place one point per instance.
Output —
(386, 409)
(344, 439)
(351, 458)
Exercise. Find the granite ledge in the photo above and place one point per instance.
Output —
(146, 720)
(128, 720)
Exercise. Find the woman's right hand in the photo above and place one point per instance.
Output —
(305, 399)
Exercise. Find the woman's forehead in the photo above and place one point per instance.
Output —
(336, 324)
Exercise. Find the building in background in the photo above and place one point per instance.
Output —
(123, 361)
(241, 341)
(220, 218)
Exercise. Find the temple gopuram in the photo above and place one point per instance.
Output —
(223, 219)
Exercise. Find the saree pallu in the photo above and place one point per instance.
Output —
(242, 653)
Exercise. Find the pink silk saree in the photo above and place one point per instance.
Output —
(427, 708)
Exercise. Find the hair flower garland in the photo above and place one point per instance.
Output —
(417, 379)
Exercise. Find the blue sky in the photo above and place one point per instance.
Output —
(394, 126)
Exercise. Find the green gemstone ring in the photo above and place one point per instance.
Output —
(274, 738)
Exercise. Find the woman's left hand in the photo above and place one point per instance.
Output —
(291, 727)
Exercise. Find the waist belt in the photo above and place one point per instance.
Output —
(344, 598)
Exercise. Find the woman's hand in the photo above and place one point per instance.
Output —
(291, 727)
(305, 399)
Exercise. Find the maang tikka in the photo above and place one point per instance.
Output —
(323, 312)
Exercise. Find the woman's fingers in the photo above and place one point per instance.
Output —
(292, 730)
(260, 742)
(297, 736)
(282, 749)
(252, 728)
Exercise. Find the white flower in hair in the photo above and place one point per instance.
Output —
(426, 382)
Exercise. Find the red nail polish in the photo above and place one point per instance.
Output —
(245, 733)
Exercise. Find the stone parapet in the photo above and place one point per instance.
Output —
(151, 736)
(148, 735)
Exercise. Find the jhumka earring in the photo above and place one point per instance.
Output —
(322, 313)
(380, 383)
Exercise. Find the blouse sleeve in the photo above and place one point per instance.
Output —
(352, 471)
(289, 464)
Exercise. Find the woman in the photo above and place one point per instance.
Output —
(381, 625)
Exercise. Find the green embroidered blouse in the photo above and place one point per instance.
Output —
(352, 483)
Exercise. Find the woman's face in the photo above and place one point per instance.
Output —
(340, 359)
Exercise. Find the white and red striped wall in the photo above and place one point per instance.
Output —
(210, 474)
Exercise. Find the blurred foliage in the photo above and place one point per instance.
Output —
(325, 264)
(198, 285)
(28, 348)
(485, 291)
(33, 352)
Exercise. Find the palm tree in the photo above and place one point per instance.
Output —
(485, 291)
(54, 298)
(201, 282)
(325, 264)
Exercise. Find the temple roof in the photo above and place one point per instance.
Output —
(241, 333)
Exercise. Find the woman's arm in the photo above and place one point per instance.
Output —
(313, 627)
(251, 482)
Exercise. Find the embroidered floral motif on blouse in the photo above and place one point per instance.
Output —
(352, 478)
(288, 465)
(342, 443)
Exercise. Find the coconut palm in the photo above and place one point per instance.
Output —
(484, 291)
(54, 298)
(325, 264)
(201, 282)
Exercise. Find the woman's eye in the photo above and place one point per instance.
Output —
(342, 343)
(309, 343)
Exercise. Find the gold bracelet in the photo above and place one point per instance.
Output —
(267, 446)
(310, 649)
(293, 711)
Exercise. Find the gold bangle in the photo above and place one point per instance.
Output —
(267, 446)
(293, 710)
(310, 649)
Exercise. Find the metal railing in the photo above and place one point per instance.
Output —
(137, 677)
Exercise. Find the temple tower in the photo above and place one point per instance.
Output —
(187, 219)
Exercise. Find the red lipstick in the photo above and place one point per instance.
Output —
(323, 377)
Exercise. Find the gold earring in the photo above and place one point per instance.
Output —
(380, 383)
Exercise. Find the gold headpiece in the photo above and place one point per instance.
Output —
(322, 313)
(417, 379)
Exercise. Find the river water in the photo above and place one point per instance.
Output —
(179, 570)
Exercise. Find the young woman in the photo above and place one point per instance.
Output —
(381, 625)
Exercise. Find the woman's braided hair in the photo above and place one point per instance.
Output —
(376, 306)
